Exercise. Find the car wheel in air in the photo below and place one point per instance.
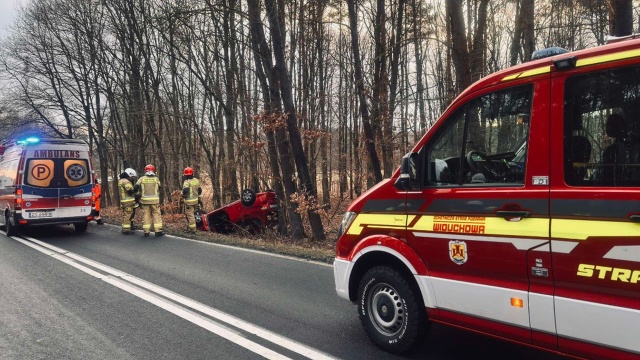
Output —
(391, 311)
(248, 197)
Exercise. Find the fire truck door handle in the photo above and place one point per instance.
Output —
(634, 218)
(513, 214)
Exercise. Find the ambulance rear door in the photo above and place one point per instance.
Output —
(57, 183)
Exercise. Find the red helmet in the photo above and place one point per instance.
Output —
(150, 168)
(188, 171)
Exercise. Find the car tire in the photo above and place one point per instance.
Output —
(391, 310)
(11, 230)
(248, 197)
(80, 227)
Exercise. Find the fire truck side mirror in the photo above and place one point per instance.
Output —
(408, 179)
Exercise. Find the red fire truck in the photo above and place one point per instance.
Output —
(517, 215)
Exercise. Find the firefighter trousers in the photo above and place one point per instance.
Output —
(151, 217)
(127, 211)
(189, 211)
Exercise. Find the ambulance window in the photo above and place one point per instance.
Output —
(602, 128)
(484, 142)
(8, 173)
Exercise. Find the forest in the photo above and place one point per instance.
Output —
(315, 99)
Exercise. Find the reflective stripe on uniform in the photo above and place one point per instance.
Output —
(125, 186)
(149, 190)
(193, 185)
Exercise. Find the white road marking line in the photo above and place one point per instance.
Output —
(165, 305)
(69, 257)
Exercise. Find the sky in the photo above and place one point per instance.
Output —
(7, 14)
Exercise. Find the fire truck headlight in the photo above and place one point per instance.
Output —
(347, 219)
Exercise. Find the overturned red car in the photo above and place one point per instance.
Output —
(254, 212)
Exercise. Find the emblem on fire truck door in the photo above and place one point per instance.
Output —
(458, 251)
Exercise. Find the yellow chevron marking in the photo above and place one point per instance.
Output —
(582, 229)
(492, 226)
(379, 221)
(460, 224)
(609, 57)
(532, 72)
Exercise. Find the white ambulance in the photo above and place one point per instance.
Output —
(45, 182)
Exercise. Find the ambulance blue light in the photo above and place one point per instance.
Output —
(29, 140)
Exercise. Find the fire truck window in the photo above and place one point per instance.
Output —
(484, 143)
(602, 124)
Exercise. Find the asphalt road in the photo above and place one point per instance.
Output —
(103, 295)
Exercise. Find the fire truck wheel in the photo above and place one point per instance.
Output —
(391, 312)
(248, 197)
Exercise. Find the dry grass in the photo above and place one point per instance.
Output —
(176, 224)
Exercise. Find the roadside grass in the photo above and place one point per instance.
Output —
(176, 224)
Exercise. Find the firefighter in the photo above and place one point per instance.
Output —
(96, 192)
(127, 199)
(191, 192)
(133, 177)
(149, 188)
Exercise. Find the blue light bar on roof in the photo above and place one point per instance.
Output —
(29, 140)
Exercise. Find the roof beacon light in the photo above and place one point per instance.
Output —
(29, 140)
(552, 51)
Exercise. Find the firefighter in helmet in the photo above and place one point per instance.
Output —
(127, 198)
(191, 193)
(149, 188)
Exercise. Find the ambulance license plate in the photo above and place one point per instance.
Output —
(40, 214)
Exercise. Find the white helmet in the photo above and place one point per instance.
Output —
(131, 172)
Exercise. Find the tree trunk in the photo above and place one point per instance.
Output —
(623, 23)
(229, 54)
(275, 134)
(419, 81)
(459, 51)
(359, 79)
(286, 93)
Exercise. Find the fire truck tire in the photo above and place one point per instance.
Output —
(248, 197)
(391, 312)
(10, 229)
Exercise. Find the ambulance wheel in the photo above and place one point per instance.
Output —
(391, 311)
(10, 229)
(248, 197)
(80, 227)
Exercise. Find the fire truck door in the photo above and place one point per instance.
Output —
(595, 210)
(485, 209)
